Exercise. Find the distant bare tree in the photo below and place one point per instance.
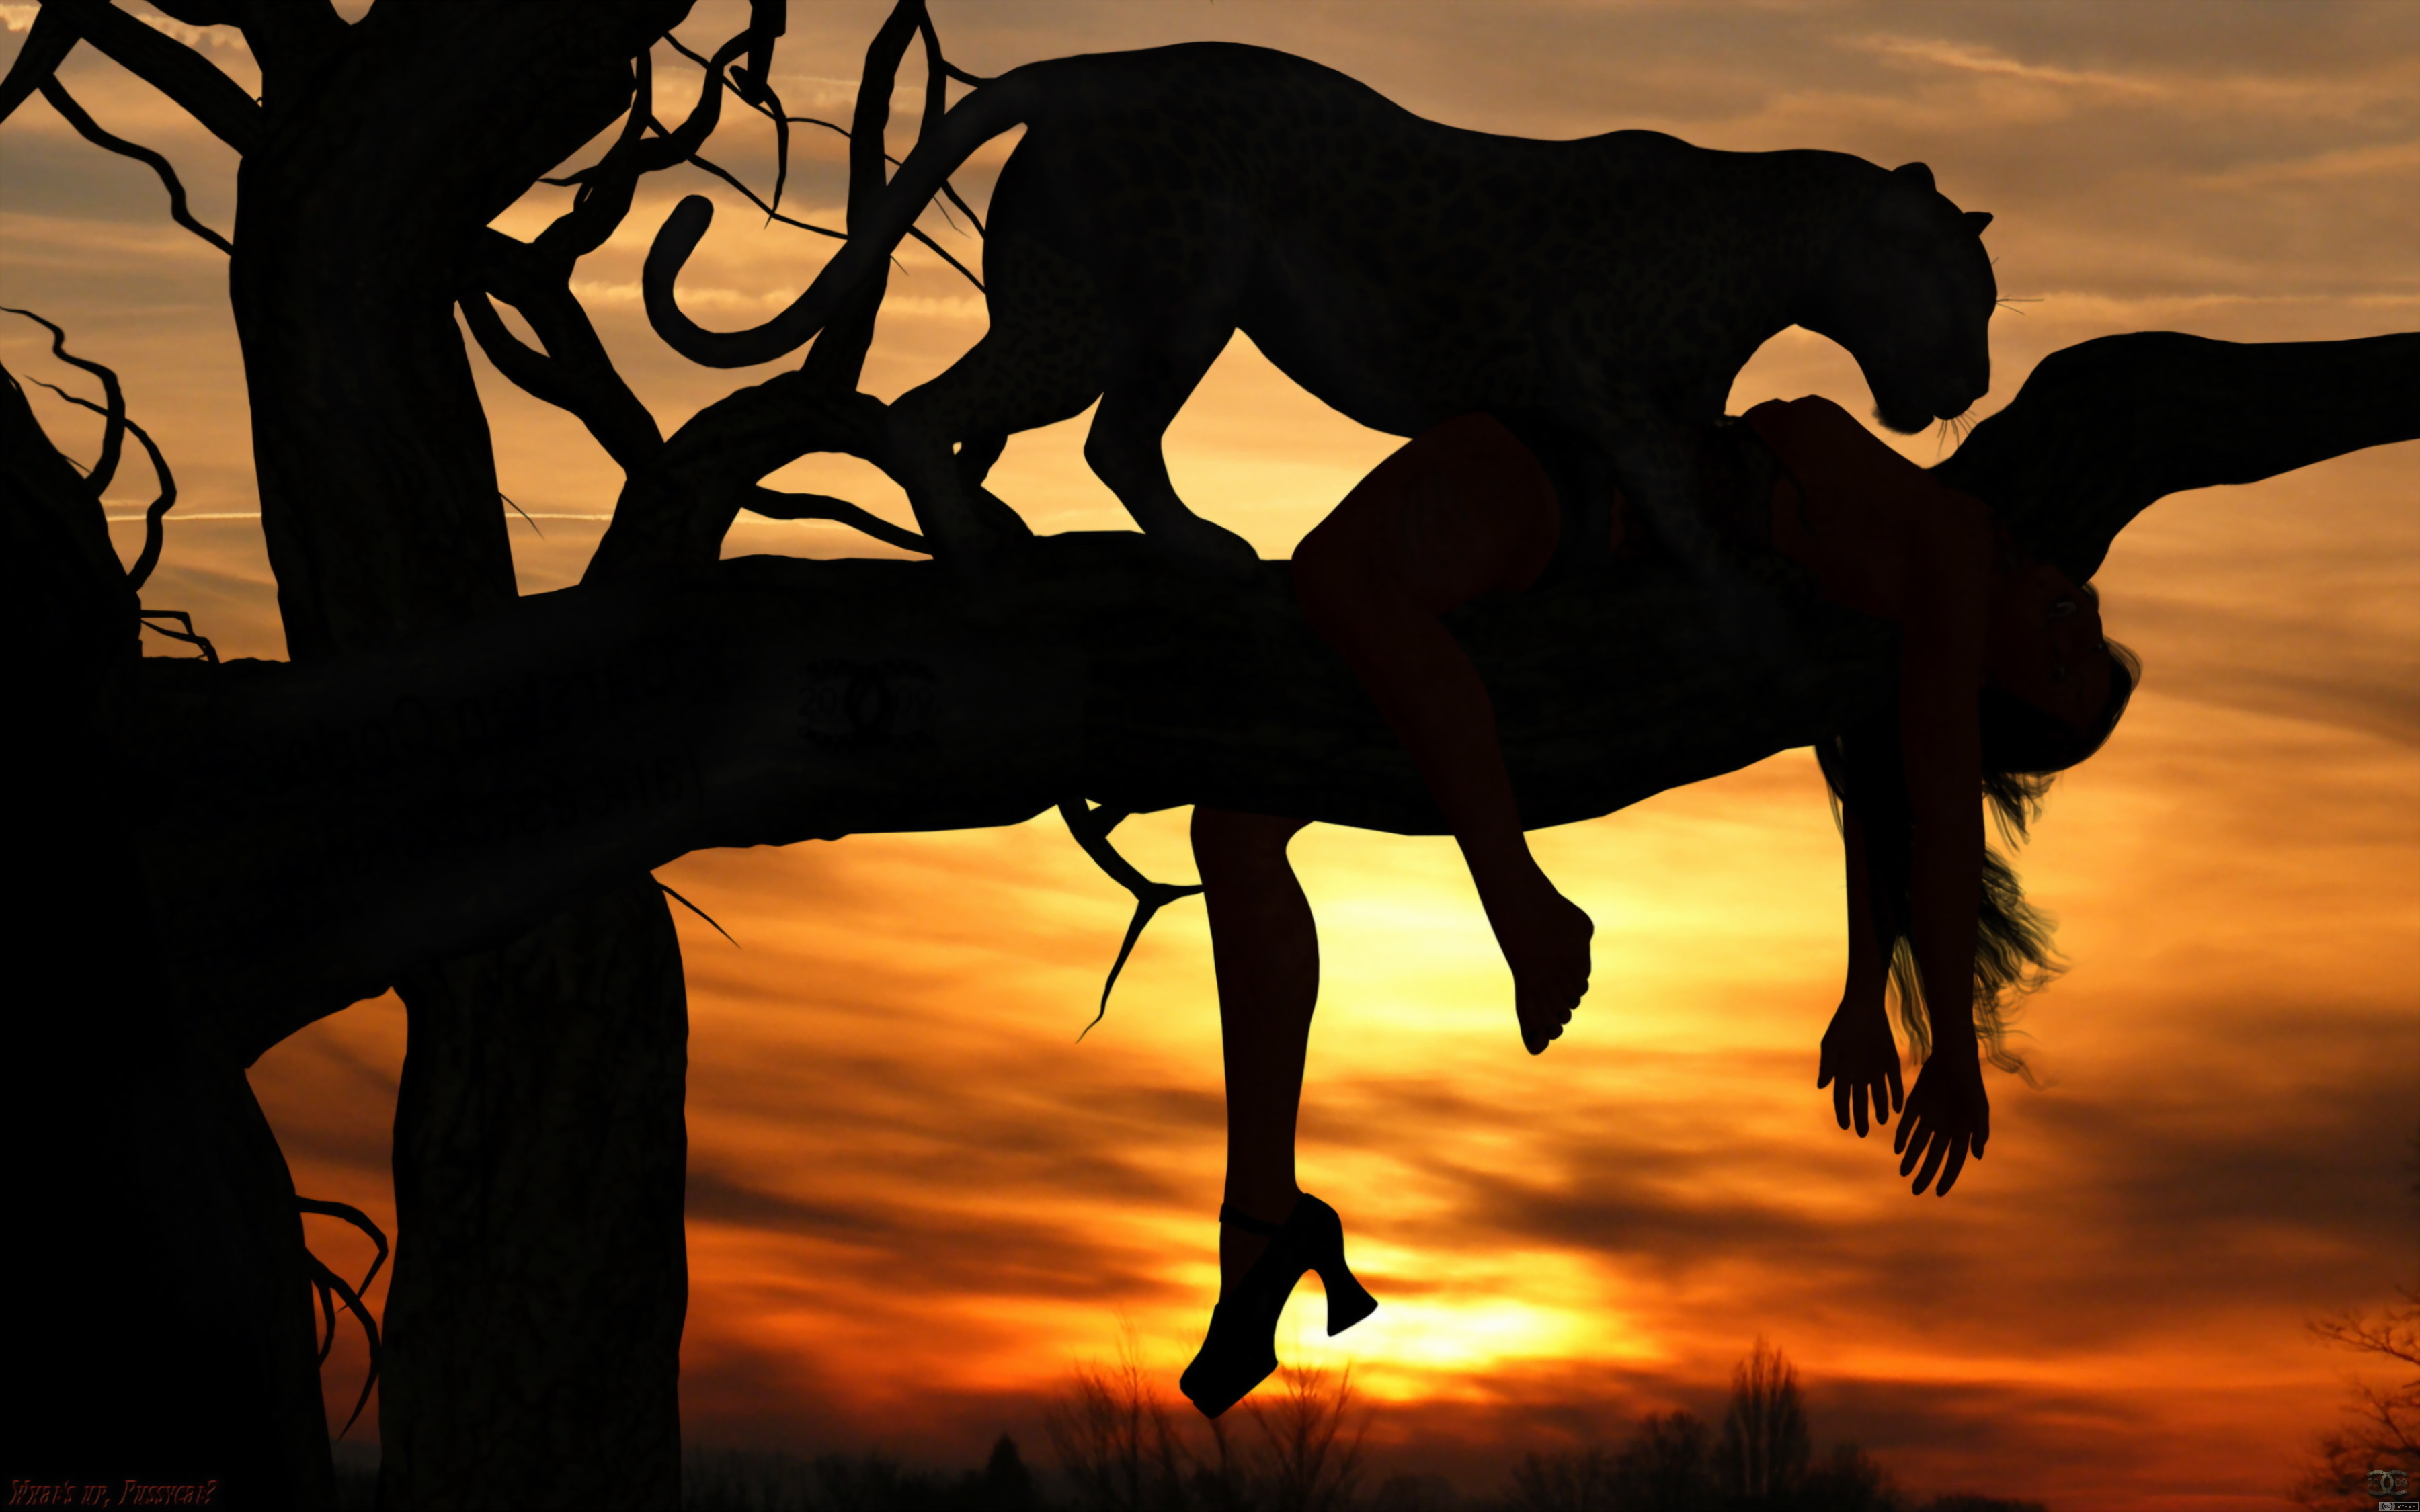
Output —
(1121, 1450)
(1309, 1458)
(1765, 1447)
(2383, 1429)
(1115, 1444)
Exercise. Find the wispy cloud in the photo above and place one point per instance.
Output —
(1965, 58)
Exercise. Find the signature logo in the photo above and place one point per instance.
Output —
(2389, 1482)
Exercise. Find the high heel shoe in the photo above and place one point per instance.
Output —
(1240, 1350)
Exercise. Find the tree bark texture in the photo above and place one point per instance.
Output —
(535, 1347)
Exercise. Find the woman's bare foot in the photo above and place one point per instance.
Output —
(1545, 940)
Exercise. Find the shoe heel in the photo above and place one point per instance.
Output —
(1348, 1300)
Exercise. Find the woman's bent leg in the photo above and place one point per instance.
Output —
(1265, 947)
(1460, 511)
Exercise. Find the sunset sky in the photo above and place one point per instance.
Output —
(915, 1199)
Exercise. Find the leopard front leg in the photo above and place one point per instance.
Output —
(1123, 447)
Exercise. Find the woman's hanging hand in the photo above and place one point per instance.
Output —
(1860, 1063)
(1948, 1114)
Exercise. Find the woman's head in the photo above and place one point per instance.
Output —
(2045, 647)
(2021, 736)
(2057, 687)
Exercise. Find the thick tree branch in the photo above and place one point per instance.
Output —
(681, 143)
(574, 372)
(288, 38)
(322, 828)
(605, 186)
(2092, 439)
(671, 516)
(168, 66)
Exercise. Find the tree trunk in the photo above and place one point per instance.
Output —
(158, 1322)
(534, 1348)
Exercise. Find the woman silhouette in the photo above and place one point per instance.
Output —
(2004, 677)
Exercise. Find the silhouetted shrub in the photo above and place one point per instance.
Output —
(1667, 1466)
(1581, 1481)
(1850, 1480)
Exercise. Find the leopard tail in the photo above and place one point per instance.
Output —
(999, 106)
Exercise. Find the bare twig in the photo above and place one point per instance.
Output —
(764, 103)
(328, 1281)
(113, 436)
(188, 635)
(523, 512)
(153, 517)
(947, 190)
(90, 130)
(1091, 827)
(776, 505)
(758, 200)
(700, 913)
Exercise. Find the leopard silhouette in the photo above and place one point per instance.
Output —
(1401, 271)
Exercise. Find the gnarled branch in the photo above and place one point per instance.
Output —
(90, 130)
(113, 436)
(574, 372)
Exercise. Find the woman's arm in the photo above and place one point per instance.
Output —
(1885, 539)
(1944, 624)
(1860, 1055)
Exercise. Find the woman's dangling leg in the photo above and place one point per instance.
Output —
(1265, 947)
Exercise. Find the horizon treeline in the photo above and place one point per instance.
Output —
(1116, 1445)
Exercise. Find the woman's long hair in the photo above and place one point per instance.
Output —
(2024, 751)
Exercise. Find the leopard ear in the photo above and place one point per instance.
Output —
(1915, 173)
(1978, 220)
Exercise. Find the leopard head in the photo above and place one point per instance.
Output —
(1909, 291)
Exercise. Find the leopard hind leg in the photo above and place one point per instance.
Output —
(976, 398)
(1039, 363)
